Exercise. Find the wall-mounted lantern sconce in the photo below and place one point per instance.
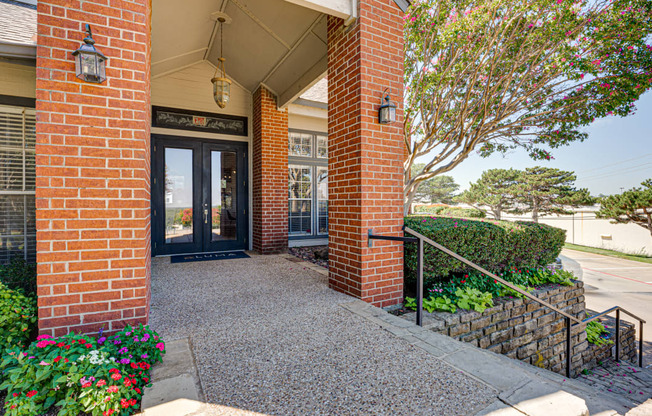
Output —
(90, 64)
(387, 110)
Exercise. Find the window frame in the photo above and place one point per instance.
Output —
(24, 105)
(314, 162)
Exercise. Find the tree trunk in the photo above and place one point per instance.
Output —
(407, 207)
(535, 210)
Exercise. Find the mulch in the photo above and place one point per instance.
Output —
(308, 254)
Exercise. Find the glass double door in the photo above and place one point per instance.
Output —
(199, 195)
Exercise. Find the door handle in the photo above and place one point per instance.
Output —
(205, 216)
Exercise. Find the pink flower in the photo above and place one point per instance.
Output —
(112, 389)
(160, 346)
(101, 383)
(44, 336)
(43, 363)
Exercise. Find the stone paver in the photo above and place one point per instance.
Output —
(624, 379)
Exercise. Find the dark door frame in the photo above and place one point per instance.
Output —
(201, 194)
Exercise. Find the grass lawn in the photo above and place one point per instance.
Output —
(609, 253)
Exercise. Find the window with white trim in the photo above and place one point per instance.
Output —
(307, 184)
(17, 183)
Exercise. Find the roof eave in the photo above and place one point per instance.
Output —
(17, 50)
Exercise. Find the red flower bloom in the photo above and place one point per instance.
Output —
(89, 345)
(127, 382)
(82, 341)
(114, 370)
(61, 344)
(136, 389)
(16, 394)
(101, 383)
(56, 360)
(65, 360)
(112, 389)
(116, 376)
(31, 393)
(124, 403)
(463, 281)
(134, 365)
(86, 385)
(108, 412)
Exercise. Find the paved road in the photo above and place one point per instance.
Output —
(610, 281)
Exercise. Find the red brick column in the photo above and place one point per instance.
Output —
(270, 174)
(365, 166)
(93, 168)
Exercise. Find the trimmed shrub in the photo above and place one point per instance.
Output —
(18, 274)
(494, 245)
(17, 318)
(450, 211)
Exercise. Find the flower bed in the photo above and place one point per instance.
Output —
(77, 373)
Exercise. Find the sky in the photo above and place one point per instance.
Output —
(617, 154)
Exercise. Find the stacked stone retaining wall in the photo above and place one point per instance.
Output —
(525, 330)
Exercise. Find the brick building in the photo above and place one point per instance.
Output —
(97, 178)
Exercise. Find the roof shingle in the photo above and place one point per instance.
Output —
(17, 23)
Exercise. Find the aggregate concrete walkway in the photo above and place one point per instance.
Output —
(269, 338)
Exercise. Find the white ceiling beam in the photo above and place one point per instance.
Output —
(344, 9)
(304, 83)
(294, 47)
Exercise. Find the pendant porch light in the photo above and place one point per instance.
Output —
(221, 85)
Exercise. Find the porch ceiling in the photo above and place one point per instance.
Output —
(274, 42)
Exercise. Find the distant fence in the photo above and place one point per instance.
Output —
(585, 229)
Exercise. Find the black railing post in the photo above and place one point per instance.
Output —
(617, 335)
(640, 344)
(568, 347)
(420, 283)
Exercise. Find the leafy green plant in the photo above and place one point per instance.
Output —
(508, 291)
(441, 303)
(469, 298)
(17, 317)
(78, 374)
(19, 275)
(594, 333)
(410, 303)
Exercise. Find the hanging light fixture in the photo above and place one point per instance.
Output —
(221, 85)
(90, 64)
(387, 111)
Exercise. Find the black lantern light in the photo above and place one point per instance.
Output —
(387, 110)
(90, 64)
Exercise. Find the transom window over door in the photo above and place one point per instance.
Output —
(307, 185)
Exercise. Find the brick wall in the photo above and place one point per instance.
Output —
(93, 168)
(365, 164)
(523, 329)
(270, 174)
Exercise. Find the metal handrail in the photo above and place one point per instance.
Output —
(641, 321)
(420, 239)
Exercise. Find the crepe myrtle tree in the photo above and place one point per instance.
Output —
(632, 206)
(494, 75)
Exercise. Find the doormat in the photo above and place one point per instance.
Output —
(186, 258)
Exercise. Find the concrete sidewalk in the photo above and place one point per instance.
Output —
(269, 337)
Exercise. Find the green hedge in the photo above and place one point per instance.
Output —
(491, 244)
(450, 211)
(17, 318)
